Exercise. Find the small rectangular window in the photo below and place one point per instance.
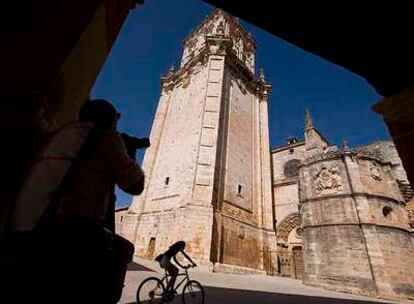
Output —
(239, 189)
(167, 181)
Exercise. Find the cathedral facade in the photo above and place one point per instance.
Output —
(342, 217)
(333, 217)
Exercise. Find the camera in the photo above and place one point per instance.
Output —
(133, 143)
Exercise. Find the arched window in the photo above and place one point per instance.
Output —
(291, 168)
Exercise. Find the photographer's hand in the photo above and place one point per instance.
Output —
(129, 145)
(133, 143)
(145, 142)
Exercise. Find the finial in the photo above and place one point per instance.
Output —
(308, 120)
(345, 145)
(262, 76)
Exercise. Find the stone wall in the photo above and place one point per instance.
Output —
(177, 201)
(390, 154)
(282, 155)
(120, 213)
(286, 200)
(398, 260)
(192, 224)
(179, 144)
(285, 188)
(335, 258)
(241, 244)
(285, 182)
(242, 132)
(355, 228)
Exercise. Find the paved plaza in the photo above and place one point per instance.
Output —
(243, 289)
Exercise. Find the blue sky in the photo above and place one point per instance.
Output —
(151, 39)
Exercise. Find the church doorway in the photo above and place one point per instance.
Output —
(297, 262)
(289, 240)
(151, 248)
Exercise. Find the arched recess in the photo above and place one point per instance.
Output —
(289, 223)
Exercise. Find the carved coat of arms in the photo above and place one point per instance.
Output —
(327, 180)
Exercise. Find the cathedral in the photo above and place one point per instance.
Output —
(331, 216)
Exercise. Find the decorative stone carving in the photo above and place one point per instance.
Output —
(336, 153)
(368, 153)
(186, 81)
(190, 44)
(327, 181)
(375, 171)
(220, 29)
(329, 154)
(218, 46)
(298, 233)
(289, 223)
(209, 29)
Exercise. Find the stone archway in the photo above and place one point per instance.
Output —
(288, 234)
(284, 228)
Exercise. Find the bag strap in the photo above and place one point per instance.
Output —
(84, 151)
(109, 221)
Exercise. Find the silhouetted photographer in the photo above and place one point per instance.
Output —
(60, 238)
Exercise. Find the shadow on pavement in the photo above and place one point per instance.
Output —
(137, 267)
(215, 295)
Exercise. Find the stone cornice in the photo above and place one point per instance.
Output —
(287, 146)
(219, 45)
(362, 153)
(359, 224)
(286, 182)
(169, 80)
(372, 154)
(352, 195)
(329, 155)
(256, 87)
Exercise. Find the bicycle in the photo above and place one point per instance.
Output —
(152, 290)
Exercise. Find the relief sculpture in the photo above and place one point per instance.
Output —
(327, 181)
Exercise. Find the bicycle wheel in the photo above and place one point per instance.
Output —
(151, 290)
(193, 293)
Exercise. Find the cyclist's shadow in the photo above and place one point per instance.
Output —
(132, 266)
(176, 300)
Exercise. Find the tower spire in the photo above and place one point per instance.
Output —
(345, 145)
(308, 120)
(314, 140)
(262, 77)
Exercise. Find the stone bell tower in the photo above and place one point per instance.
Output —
(208, 179)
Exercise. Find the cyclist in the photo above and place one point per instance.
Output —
(165, 262)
